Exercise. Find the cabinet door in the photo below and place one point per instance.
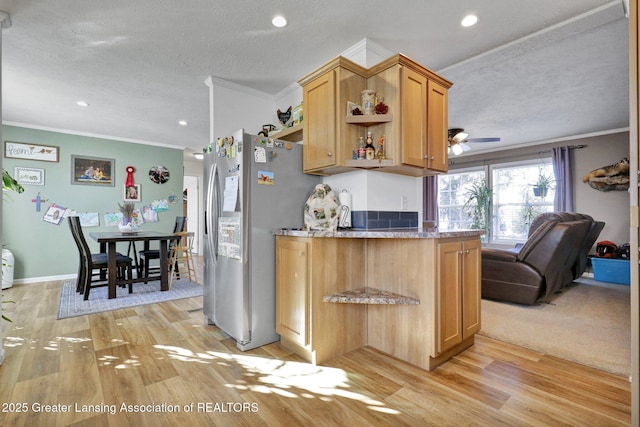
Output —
(414, 118)
(471, 287)
(437, 123)
(319, 126)
(449, 296)
(292, 290)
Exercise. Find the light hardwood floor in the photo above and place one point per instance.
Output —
(164, 355)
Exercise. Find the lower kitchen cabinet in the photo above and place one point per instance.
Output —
(441, 274)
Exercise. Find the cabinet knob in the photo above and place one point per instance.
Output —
(467, 252)
(329, 154)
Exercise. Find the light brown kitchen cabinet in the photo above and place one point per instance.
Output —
(458, 296)
(418, 97)
(415, 128)
(441, 274)
(328, 140)
(306, 271)
(292, 290)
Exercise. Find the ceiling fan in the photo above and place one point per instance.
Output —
(458, 141)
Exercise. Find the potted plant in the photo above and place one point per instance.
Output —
(479, 197)
(127, 209)
(8, 184)
(541, 187)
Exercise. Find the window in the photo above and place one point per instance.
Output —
(515, 199)
(515, 202)
(452, 196)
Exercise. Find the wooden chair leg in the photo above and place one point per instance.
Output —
(130, 277)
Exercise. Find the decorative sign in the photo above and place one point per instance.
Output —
(20, 150)
(29, 176)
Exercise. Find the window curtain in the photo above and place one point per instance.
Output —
(561, 160)
(430, 202)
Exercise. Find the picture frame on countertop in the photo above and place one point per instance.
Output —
(26, 151)
(28, 176)
(87, 170)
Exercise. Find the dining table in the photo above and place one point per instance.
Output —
(108, 241)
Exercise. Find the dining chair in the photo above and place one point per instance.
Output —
(181, 253)
(145, 256)
(95, 264)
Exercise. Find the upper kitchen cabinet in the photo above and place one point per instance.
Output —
(415, 127)
(417, 137)
(328, 140)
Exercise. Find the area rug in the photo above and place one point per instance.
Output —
(72, 303)
(589, 323)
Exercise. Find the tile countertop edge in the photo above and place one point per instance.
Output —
(404, 233)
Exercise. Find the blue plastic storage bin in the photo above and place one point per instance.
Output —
(611, 270)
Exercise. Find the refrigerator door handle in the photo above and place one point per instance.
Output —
(212, 218)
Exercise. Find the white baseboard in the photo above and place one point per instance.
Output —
(44, 279)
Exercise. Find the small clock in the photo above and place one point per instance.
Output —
(159, 174)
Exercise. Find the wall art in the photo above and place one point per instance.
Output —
(22, 150)
(92, 171)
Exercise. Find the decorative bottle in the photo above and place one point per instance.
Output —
(361, 149)
(380, 152)
(369, 148)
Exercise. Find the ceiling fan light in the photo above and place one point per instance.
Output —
(460, 136)
(457, 149)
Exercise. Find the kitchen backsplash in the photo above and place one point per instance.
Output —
(384, 219)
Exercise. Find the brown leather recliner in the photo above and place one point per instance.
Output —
(544, 264)
(590, 239)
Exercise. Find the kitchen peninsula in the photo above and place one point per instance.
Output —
(411, 293)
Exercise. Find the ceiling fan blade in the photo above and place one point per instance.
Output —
(465, 146)
(495, 139)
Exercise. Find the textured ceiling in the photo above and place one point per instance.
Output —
(527, 72)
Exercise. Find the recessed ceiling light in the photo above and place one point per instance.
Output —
(82, 103)
(279, 21)
(469, 20)
(183, 123)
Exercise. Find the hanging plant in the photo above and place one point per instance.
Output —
(542, 185)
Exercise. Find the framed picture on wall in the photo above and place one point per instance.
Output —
(29, 176)
(22, 150)
(92, 171)
(132, 193)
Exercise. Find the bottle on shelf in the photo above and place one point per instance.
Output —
(380, 152)
(369, 148)
(361, 150)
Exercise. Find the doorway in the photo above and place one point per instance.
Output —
(190, 200)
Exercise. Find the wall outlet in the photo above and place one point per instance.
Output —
(404, 203)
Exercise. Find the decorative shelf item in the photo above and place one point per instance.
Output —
(370, 296)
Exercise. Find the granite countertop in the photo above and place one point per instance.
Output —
(370, 296)
(386, 233)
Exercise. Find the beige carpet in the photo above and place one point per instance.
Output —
(589, 323)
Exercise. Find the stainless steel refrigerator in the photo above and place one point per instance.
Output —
(253, 185)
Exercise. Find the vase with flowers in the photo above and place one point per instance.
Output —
(127, 225)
